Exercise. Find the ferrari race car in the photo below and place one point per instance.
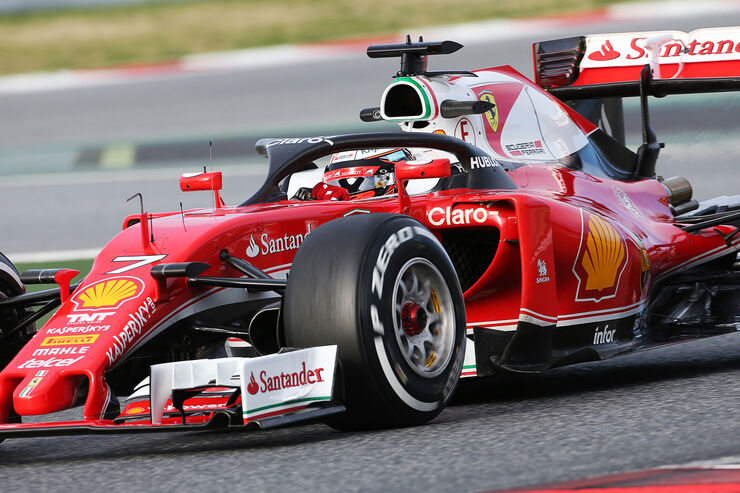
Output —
(503, 230)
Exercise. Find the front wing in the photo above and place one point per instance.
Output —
(228, 393)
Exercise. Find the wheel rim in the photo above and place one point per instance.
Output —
(424, 317)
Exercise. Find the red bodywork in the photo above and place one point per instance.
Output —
(574, 252)
(544, 213)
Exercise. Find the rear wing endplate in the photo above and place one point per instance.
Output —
(610, 65)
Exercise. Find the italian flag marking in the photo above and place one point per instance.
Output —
(423, 93)
(283, 407)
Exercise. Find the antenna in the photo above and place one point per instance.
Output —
(182, 215)
(144, 219)
(210, 158)
(141, 200)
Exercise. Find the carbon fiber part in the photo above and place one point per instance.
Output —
(471, 252)
(288, 155)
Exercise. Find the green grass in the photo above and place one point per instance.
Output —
(82, 265)
(158, 32)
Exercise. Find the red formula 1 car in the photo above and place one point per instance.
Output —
(502, 231)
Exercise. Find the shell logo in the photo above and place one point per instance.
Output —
(492, 114)
(604, 254)
(109, 293)
(644, 267)
(136, 410)
(601, 260)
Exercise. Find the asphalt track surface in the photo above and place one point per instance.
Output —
(669, 406)
(675, 405)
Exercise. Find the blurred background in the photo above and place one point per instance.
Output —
(101, 99)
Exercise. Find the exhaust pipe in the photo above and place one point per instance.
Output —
(679, 195)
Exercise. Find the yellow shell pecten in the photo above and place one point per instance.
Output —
(108, 293)
(604, 254)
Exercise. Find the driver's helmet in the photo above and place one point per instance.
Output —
(367, 172)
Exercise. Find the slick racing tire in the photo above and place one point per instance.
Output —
(382, 288)
(10, 344)
(11, 285)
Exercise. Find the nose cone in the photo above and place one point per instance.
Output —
(45, 392)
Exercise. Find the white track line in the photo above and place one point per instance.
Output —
(272, 56)
(729, 462)
(130, 175)
(54, 255)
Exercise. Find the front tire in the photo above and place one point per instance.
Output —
(383, 289)
(11, 285)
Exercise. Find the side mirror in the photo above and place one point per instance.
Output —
(193, 182)
(438, 168)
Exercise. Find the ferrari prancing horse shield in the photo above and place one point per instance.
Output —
(601, 259)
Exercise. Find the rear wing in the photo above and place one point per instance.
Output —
(611, 65)
(592, 73)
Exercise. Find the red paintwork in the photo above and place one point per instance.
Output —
(63, 278)
(204, 181)
(719, 479)
(689, 71)
(537, 274)
(202, 406)
(201, 181)
(437, 168)
(545, 212)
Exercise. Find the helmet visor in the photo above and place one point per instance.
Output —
(359, 179)
(365, 170)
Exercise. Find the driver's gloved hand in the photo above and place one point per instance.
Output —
(303, 193)
(324, 191)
